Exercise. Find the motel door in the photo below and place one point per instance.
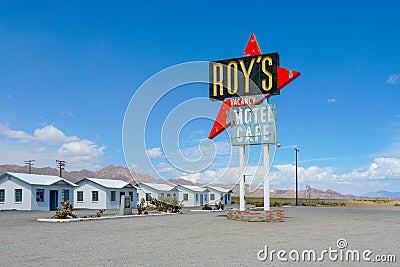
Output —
(53, 199)
(201, 199)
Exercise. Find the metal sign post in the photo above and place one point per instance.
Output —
(242, 159)
(266, 179)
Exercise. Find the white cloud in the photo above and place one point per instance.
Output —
(134, 166)
(67, 113)
(393, 79)
(80, 151)
(155, 153)
(46, 145)
(164, 167)
(51, 134)
(357, 181)
(48, 133)
(378, 173)
(192, 177)
(5, 130)
(331, 100)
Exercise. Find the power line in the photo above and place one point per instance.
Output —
(61, 165)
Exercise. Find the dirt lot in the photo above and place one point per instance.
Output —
(195, 239)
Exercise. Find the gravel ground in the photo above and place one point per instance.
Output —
(194, 239)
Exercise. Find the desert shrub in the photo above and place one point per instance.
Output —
(381, 201)
(331, 203)
(276, 204)
(141, 207)
(308, 204)
(99, 213)
(206, 207)
(166, 204)
(219, 206)
(66, 212)
(396, 204)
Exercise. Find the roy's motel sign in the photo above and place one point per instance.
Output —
(243, 84)
(232, 77)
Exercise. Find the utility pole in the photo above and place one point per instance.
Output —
(60, 165)
(297, 189)
(29, 163)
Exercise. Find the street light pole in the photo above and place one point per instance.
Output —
(297, 189)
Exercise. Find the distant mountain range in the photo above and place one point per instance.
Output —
(109, 172)
(382, 194)
(121, 173)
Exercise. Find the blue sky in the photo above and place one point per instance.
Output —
(69, 70)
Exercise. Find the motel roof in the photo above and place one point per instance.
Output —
(158, 187)
(193, 188)
(38, 179)
(220, 189)
(108, 183)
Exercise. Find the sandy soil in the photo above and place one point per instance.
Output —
(194, 239)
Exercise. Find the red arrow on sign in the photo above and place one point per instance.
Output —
(284, 77)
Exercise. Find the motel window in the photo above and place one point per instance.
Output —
(131, 195)
(65, 195)
(2, 195)
(222, 197)
(148, 196)
(162, 194)
(39, 195)
(137, 196)
(95, 196)
(113, 195)
(212, 196)
(79, 196)
(205, 197)
(197, 197)
(185, 197)
(168, 195)
(18, 195)
(174, 194)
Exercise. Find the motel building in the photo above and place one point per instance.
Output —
(191, 195)
(219, 194)
(147, 190)
(94, 193)
(20, 191)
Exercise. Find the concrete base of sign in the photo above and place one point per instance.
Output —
(256, 215)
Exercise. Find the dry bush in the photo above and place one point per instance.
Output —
(66, 212)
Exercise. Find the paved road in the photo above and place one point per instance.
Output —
(194, 239)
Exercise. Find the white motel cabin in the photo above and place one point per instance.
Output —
(95, 193)
(191, 195)
(219, 194)
(147, 190)
(20, 191)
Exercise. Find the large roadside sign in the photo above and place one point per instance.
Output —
(245, 76)
(239, 82)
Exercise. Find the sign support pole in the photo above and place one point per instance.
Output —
(242, 158)
(266, 180)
